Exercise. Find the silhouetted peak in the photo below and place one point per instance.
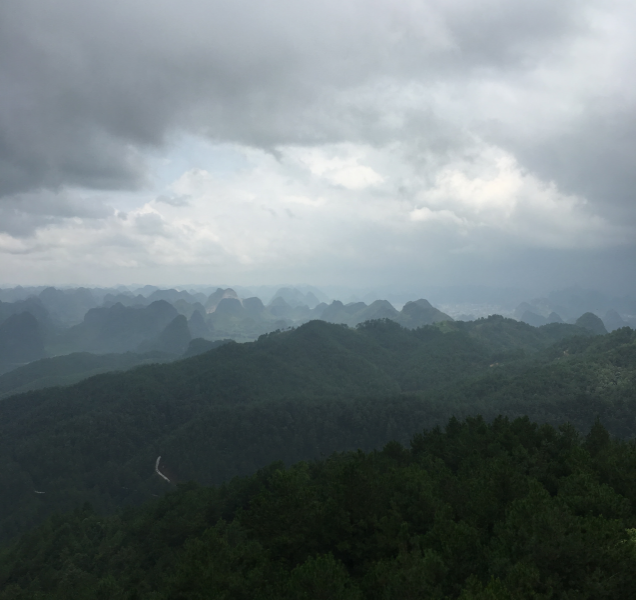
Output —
(295, 297)
(229, 307)
(612, 320)
(253, 305)
(416, 307)
(354, 307)
(216, 297)
(532, 318)
(278, 307)
(279, 301)
(20, 339)
(176, 336)
(421, 312)
(554, 318)
(197, 318)
(49, 292)
(161, 307)
(592, 323)
(197, 325)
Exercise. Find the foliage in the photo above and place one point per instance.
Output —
(296, 395)
(72, 368)
(510, 509)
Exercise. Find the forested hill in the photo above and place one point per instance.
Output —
(71, 368)
(509, 510)
(290, 396)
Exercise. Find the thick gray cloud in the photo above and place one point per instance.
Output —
(596, 159)
(22, 214)
(87, 86)
(460, 132)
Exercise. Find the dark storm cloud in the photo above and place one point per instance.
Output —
(21, 215)
(596, 159)
(86, 87)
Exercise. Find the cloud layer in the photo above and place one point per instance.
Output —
(284, 139)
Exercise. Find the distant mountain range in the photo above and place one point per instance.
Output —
(21, 340)
(146, 319)
(570, 304)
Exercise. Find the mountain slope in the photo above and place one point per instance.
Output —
(294, 394)
(117, 328)
(71, 368)
(21, 340)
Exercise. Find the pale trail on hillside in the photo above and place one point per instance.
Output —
(158, 471)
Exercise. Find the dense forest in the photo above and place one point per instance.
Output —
(255, 470)
(484, 511)
(71, 368)
(296, 395)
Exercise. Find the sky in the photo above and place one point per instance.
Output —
(362, 143)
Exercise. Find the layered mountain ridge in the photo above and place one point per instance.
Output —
(118, 321)
(293, 395)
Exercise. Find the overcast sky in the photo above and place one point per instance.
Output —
(341, 142)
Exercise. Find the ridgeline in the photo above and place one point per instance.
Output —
(296, 395)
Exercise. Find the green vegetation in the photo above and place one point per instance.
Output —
(483, 511)
(71, 368)
(296, 395)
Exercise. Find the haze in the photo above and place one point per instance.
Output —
(375, 143)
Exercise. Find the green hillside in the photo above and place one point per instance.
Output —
(289, 396)
(71, 368)
(476, 511)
